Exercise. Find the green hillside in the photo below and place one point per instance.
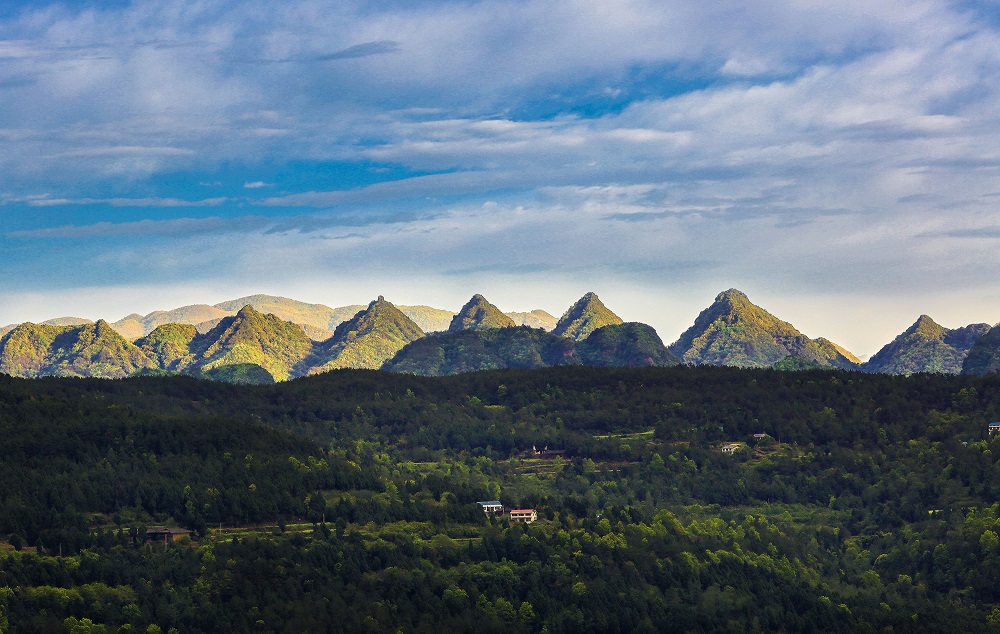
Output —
(475, 350)
(856, 503)
(348, 502)
(926, 347)
(733, 331)
(584, 317)
(369, 339)
(253, 338)
(27, 349)
(85, 350)
(625, 345)
(170, 346)
(479, 314)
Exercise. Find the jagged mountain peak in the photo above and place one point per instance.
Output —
(927, 327)
(733, 296)
(734, 306)
(247, 311)
(479, 314)
(584, 317)
(380, 312)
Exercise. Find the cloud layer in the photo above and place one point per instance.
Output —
(840, 153)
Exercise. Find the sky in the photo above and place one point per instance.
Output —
(838, 161)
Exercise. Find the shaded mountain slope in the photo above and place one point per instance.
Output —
(984, 356)
(630, 344)
(171, 346)
(926, 347)
(473, 350)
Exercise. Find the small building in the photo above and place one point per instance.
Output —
(492, 508)
(994, 428)
(543, 453)
(524, 515)
(730, 448)
(166, 535)
(759, 437)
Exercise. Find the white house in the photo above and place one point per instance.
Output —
(524, 515)
(492, 508)
(730, 448)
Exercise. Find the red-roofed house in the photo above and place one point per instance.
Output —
(524, 515)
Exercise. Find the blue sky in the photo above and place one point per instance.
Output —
(837, 161)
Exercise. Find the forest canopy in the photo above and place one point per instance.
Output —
(347, 501)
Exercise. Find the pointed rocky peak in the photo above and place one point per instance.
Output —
(104, 329)
(584, 317)
(927, 328)
(479, 314)
(381, 303)
(734, 306)
(247, 311)
(379, 315)
(733, 297)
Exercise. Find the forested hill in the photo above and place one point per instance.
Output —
(816, 406)
(346, 501)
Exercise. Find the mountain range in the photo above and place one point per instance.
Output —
(317, 320)
(263, 338)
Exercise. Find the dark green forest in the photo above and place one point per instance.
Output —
(347, 501)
